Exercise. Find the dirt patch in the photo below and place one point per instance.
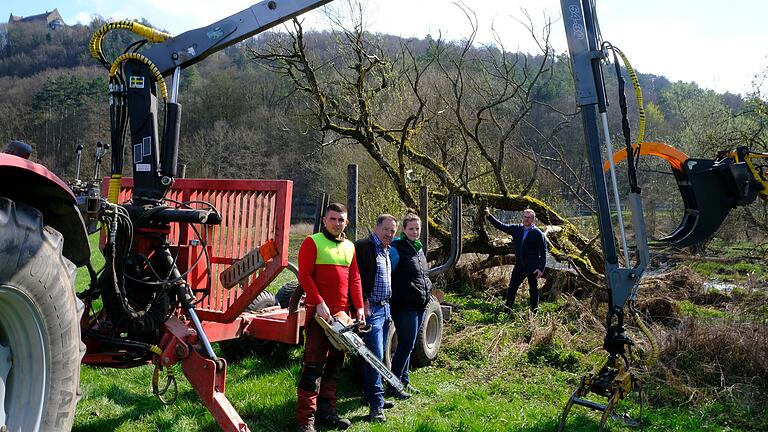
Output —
(662, 310)
(681, 283)
(711, 297)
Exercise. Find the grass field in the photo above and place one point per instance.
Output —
(465, 390)
(492, 374)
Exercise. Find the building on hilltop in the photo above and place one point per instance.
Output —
(51, 19)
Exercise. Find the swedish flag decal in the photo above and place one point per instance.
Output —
(136, 81)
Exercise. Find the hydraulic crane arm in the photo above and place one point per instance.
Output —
(140, 234)
(133, 94)
(614, 379)
(586, 56)
(193, 46)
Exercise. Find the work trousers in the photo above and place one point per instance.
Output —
(319, 375)
(514, 283)
(407, 323)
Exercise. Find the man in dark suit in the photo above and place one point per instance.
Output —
(530, 255)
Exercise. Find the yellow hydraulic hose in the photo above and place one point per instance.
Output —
(638, 95)
(152, 69)
(149, 33)
(113, 194)
(654, 345)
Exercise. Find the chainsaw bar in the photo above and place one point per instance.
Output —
(345, 339)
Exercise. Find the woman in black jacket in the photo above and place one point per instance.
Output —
(411, 291)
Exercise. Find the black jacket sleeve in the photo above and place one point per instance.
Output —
(366, 263)
(542, 251)
(501, 226)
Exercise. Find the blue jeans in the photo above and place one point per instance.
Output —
(407, 324)
(373, 390)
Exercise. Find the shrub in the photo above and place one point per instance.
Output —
(467, 349)
(547, 347)
(702, 359)
(555, 355)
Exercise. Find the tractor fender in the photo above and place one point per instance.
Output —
(33, 184)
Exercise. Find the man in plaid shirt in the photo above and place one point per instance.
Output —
(376, 276)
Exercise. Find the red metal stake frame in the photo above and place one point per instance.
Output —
(253, 212)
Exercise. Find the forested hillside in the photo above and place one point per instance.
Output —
(241, 119)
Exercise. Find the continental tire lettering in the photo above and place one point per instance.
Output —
(67, 397)
(70, 379)
(62, 415)
(66, 340)
(41, 271)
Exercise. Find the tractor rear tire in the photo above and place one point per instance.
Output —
(430, 335)
(237, 349)
(40, 347)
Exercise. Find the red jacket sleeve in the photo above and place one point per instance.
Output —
(307, 257)
(355, 286)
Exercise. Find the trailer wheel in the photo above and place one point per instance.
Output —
(430, 335)
(40, 348)
(390, 345)
(285, 292)
(236, 349)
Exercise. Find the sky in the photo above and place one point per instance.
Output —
(719, 45)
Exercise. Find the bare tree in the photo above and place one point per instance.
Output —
(451, 116)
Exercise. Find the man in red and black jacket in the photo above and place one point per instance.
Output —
(329, 275)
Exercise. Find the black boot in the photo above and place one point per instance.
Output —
(326, 416)
(376, 416)
(397, 394)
